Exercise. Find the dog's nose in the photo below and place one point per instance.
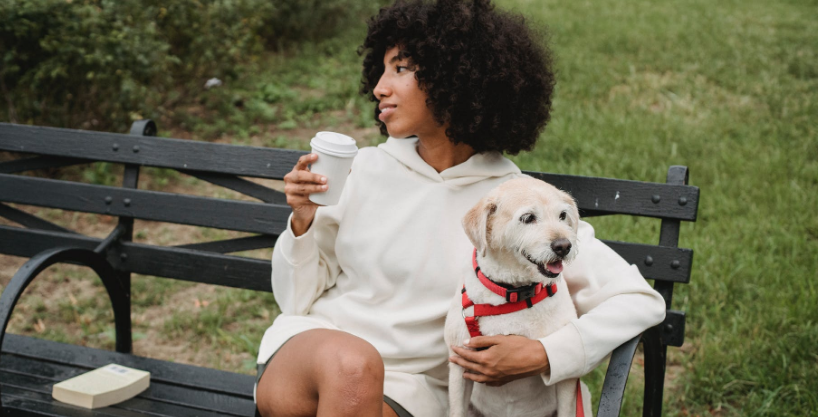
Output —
(561, 247)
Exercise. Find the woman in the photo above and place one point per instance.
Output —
(364, 286)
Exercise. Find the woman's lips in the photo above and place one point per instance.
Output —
(386, 112)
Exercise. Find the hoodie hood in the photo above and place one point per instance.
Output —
(478, 167)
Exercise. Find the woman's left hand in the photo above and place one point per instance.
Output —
(507, 358)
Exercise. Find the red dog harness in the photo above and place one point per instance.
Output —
(518, 298)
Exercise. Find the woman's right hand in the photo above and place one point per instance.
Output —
(298, 185)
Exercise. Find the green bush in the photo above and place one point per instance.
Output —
(312, 20)
(99, 64)
(67, 62)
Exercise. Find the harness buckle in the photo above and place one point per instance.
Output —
(514, 295)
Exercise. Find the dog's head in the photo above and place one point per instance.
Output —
(525, 223)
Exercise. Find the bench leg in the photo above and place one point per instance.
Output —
(613, 389)
(655, 362)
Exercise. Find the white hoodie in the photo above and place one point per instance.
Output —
(386, 261)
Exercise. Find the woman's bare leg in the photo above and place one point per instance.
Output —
(344, 371)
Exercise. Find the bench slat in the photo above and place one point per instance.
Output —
(602, 196)
(254, 274)
(38, 375)
(183, 264)
(22, 402)
(666, 263)
(148, 205)
(39, 162)
(27, 220)
(243, 186)
(233, 245)
(188, 265)
(179, 154)
(32, 387)
(161, 371)
(134, 407)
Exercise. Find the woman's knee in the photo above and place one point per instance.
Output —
(352, 362)
(343, 370)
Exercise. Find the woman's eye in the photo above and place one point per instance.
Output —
(528, 218)
(401, 68)
(563, 215)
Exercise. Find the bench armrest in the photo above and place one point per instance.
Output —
(613, 389)
(25, 275)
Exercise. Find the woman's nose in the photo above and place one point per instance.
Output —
(382, 89)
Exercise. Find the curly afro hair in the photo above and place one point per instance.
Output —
(483, 70)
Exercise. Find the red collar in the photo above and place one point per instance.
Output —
(512, 295)
(518, 299)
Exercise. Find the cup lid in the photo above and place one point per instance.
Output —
(332, 142)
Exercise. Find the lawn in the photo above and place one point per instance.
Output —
(729, 89)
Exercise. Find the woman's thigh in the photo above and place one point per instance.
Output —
(346, 370)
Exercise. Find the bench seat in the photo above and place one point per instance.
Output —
(29, 367)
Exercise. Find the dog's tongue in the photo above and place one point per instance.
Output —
(554, 267)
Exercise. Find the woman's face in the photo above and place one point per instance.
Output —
(401, 101)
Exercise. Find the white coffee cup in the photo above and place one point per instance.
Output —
(335, 154)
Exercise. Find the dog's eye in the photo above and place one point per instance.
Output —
(528, 218)
(563, 215)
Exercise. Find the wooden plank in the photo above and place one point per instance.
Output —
(661, 263)
(595, 195)
(600, 196)
(243, 186)
(42, 402)
(28, 220)
(26, 243)
(36, 375)
(148, 205)
(182, 264)
(23, 403)
(161, 371)
(233, 245)
(191, 265)
(34, 394)
(39, 162)
(188, 265)
(179, 154)
(674, 328)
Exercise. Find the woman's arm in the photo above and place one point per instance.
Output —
(304, 262)
(614, 304)
(305, 266)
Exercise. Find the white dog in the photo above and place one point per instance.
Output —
(523, 231)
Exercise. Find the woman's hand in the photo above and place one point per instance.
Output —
(298, 185)
(507, 358)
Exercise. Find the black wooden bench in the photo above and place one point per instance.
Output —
(30, 366)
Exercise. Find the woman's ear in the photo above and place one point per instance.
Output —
(477, 226)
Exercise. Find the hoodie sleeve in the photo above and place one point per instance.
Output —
(613, 301)
(305, 266)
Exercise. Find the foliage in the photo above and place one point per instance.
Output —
(64, 62)
(103, 63)
(313, 20)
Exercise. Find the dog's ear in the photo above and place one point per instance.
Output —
(477, 226)
(574, 212)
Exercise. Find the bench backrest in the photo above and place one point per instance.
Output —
(225, 165)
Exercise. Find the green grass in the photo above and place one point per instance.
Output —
(729, 89)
